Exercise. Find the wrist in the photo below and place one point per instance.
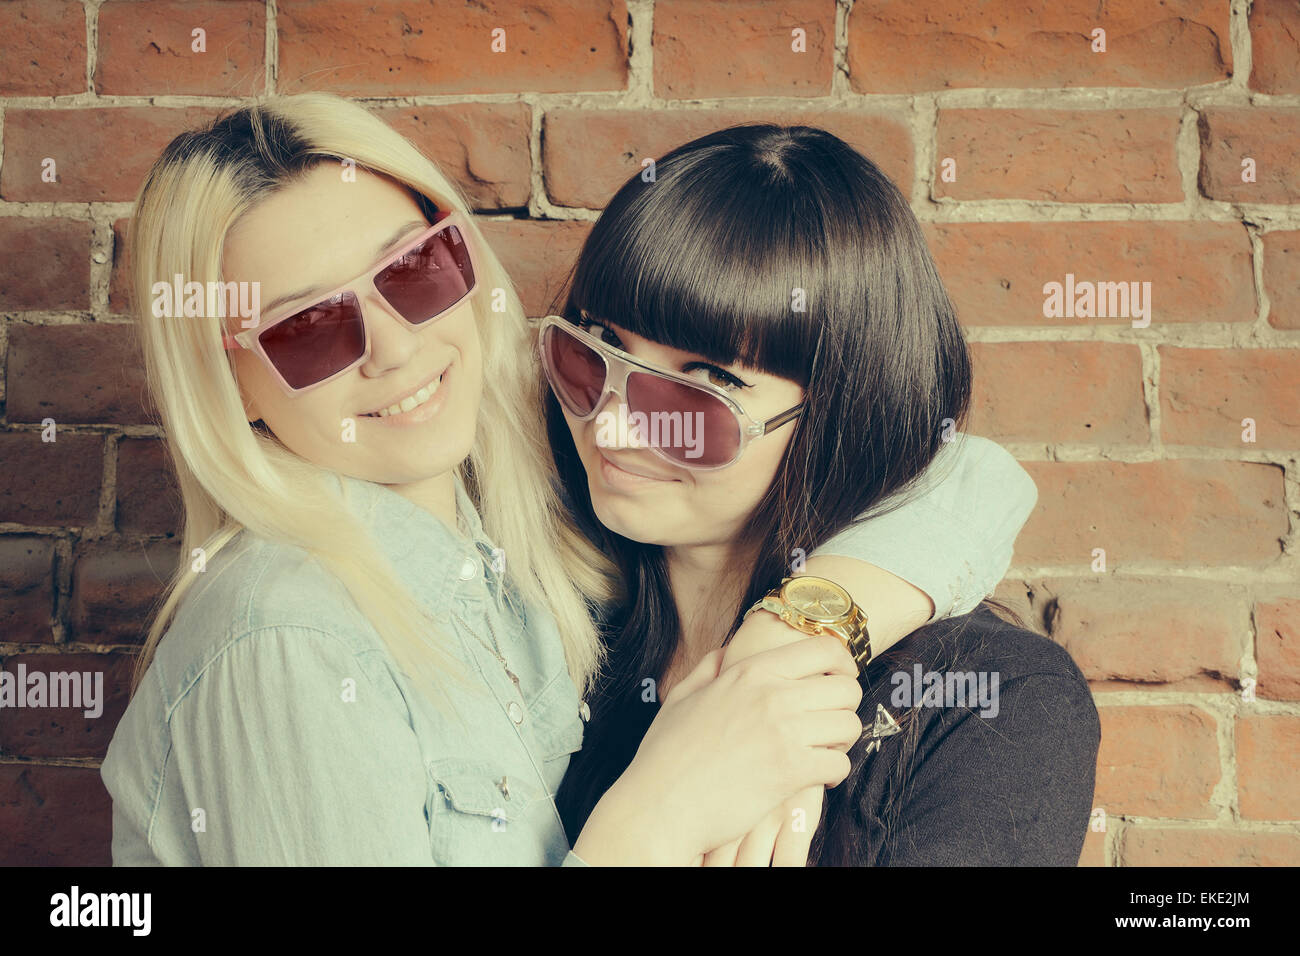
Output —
(628, 829)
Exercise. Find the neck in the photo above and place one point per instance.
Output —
(436, 495)
(707, 590)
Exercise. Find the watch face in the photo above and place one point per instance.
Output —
(817, 598)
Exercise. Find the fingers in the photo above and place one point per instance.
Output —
(803, 813)
(724, 855)
(827, 728)
(825, 692)
(704, 672)
(822, 654)
(757, 846)
(824, 765)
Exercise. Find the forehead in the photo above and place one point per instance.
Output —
(320, 228)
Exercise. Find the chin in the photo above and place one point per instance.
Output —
(628, 518)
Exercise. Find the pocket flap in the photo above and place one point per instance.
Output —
(476, 788)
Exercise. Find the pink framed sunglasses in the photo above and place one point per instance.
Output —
(307, 347)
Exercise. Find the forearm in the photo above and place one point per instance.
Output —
(894, 608)
(617, 834)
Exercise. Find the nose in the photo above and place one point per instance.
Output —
(392, 341)
(616, 425)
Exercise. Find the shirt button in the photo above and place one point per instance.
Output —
(468, 569)
(516, 712)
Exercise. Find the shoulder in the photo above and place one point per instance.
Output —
(255, 592)
(1029, 693)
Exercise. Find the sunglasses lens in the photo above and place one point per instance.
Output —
(429, 279)
(689, 425)
(314, 344)
(575, 370)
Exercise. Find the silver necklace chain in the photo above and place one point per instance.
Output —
(495, 650)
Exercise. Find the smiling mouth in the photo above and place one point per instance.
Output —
(412, 401)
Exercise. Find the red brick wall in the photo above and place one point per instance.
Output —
(1123, 165)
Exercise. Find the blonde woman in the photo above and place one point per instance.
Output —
(373, 649)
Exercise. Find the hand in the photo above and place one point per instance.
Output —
(725, 749)
(784, 837)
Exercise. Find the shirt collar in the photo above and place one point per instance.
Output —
(435, 563)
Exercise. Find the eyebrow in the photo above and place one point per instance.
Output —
(398, 236)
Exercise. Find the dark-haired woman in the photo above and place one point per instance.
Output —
(776, 274)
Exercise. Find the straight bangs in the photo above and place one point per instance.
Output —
(722, 256)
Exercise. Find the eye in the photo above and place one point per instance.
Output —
(604, 334)
(715, 376)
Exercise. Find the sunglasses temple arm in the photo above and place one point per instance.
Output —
(781, 419)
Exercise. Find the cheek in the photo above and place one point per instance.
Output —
(738, 489)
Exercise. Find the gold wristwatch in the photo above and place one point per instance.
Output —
(817, 606)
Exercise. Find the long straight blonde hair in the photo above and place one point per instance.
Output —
(233, 477)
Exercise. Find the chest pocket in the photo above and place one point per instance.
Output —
(479, 816)
(557, 726)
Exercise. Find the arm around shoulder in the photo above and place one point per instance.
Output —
(953, 535)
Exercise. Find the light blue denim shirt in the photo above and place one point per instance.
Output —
(274, 727)
(241, 747)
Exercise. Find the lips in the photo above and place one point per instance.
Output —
(409, 393)
(633, 470)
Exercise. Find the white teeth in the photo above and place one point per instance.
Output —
(411, 401)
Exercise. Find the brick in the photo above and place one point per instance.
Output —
(401, 47)
(900, 46)
(148, 497)
(588, 154)
(1157, 761)
(742, 48)
(1268, 777)
(1266, 135)
(1189, 636)
(54, 816)
(995, 271)
(66, 731)
(1282, 278)
(482, 147)
(1277, 649)
(1275, 46)
(1205, 394)
(47, 264)
(26, 588)
(146, 50)
(80, 373)
(50, 483)
(116, 590)
(1083, 156)
(101, 155)
(42, 47)
(1059, 392)
(1187, 846)
(1187, 513)
(538, 257)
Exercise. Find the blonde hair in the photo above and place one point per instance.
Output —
(233, 477)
